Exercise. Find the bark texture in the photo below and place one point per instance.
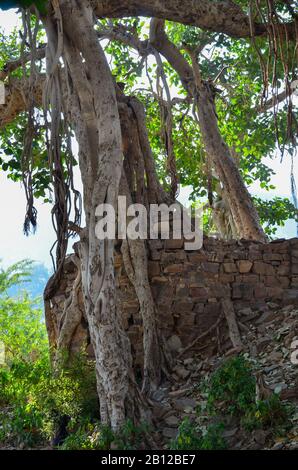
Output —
(17, 98)
(240, 203)
(140, 185)
(93, 110)
(220, 16)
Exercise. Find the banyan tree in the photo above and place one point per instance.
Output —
(156, 95)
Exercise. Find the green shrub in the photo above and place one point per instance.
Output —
(213, 439)
(231, 390)
(22, 328)
(190, 437)
(21, 421)
(231, 387)
(70, 391)
(35, 396)
(94, 436)
(89, 436)
(270, 413)
(130, 436)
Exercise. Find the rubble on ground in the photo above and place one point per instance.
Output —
(267, 340)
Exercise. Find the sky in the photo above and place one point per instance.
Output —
(14, 246)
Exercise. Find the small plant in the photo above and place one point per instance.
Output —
(188, 437)
(131, 436)
(213, 439)
(231, 388)
(270, 413)
(89, 436)
(94, 436)
(34, 396)
(192, 438)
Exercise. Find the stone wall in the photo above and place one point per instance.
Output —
(188, 288)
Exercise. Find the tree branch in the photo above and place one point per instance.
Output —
(221, 16)
(15, 64)
(275, 100)
(171, 53)
(120, 33)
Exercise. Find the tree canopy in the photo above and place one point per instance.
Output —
(252, 124)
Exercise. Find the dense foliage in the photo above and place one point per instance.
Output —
(32, 395)
(7, 4)
(253, 134)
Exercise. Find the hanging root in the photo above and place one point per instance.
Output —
(166, 123)
(140, 184)
(65, 195)
(136, 265)
(283, 51)
(27, 162)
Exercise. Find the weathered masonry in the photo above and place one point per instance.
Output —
(188, 288)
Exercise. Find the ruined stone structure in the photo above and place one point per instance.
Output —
(188, 288)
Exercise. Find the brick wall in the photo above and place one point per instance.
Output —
(188, 286)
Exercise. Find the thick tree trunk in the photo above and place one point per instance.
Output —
(71, 317)
(136, 265)
(144, 187)
(93, 108)
(140, 185)
(101, 176)
(240, 203)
